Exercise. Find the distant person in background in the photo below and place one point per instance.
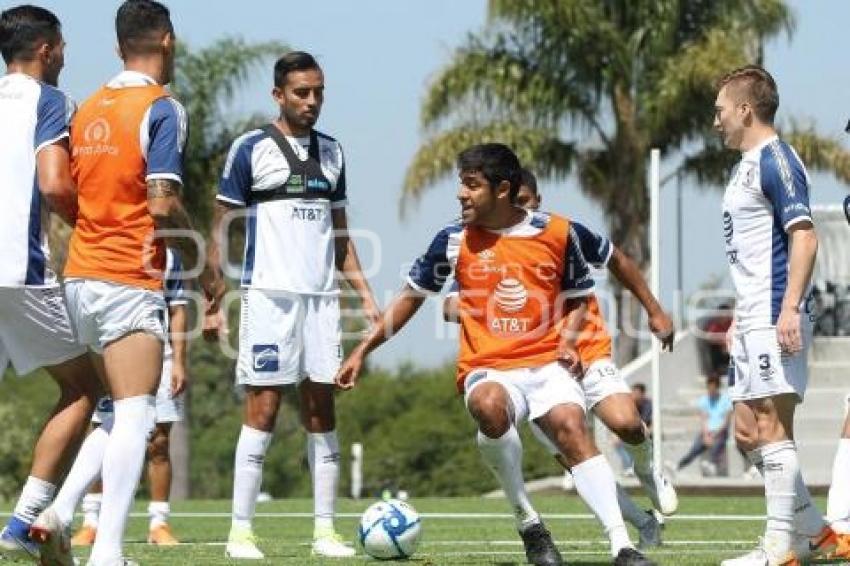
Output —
(715, 415)
(714, 350)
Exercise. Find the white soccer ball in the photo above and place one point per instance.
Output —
(389, 529)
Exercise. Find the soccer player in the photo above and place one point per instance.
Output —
(169, 409)
(523, 283)
(771, 247)
(607, 393)
(35, 179)
(127, 142)
(291, 179)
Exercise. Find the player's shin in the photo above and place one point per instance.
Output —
(323, 457)
(248, 474)
(503, 456)
(595, 484)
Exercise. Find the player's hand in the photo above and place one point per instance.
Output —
(788, 331)
(371, 311)
(346, 377)
(215, 326)
(179, 379)
(569, 359)
(662, 327)
(214, 287)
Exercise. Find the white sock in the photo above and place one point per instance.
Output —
(838, 503)
(122, 467)
(503, 455)
(642, 456)
(158, 511)
(91, 509)
(35, 496)
(323, 456)
(84, 472)
(808, 520)
(597, 487)
(248, 474)
(630, 511)
(780, 470)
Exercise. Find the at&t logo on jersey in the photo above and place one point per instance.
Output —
(266, 357)
(97, 134)
(511, 296)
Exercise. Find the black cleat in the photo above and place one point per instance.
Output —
(631, 557)
(539, 548)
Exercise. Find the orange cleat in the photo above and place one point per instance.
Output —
(84, 537)
(824, 544)
(842, 548)
(162, 536)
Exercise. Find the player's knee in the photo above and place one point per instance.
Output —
(746, 439)
(490, 409)
(629, 432)
(158, 447)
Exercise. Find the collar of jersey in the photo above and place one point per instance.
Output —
(755, 152)
(130, 78)
(521, 228)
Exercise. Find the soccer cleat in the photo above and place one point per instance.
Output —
(650, 532)
(329, 543)
(540, 550)
(84, 537)
(116, 562)
(842, 548)
(760, 557)
(242, 545)
(15, 548)
(660, 491)
(631, 557)
(161, 535)
(822, 545)
(55, 540)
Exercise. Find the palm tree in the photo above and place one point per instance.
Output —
(590, 86)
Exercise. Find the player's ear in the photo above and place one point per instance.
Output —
(503, 190)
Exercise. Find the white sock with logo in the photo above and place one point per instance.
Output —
(91, 509)
(781, 468)
(158, 512)
(34, 498)
(838, 503)
(597, 487)
(248, 474)
(84, 472)
(503, 456)
(323, 457)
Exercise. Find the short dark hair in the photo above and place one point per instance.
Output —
(140, 25)
(293, 61)
(24, 28)
(713, 380)
(755, 85)
(640, 387)
(528, 179)
(496, 161)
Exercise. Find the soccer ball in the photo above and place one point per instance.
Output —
(389, 529)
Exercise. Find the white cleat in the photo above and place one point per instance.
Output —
(54, 539)
(660, 491)
(116, 562)
(331, 545)
(761, 557)
(242, 545)
(649, 533)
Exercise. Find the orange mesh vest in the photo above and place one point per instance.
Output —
(510, 297)
(113, 236)
(593, 342)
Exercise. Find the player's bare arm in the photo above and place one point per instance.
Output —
(402, 308)
(214, 320)
(177, 324)
(451, 308)
(55, 182)
(348, 263)
(804, 248)
(627, 272)
(168, 212)
(575, 313)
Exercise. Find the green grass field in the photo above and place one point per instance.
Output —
(705, 530)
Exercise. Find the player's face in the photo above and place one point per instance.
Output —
(301, 98)
(478, 199)
(729, 119)
(54, 60)
(527, 199)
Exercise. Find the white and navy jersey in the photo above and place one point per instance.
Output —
(289, 233)
(173, 286)
(33, 115)
(432, 269)
(768, 193)
(595, 248)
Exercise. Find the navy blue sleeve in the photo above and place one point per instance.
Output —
(54, 113)
(167, 129)
(577, 280)
(595, 247)
(234, 187)
(785, 184)
(339, 194)
(431, 269)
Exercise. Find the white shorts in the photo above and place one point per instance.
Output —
(601, 380)
(168, 409)
(533, 391)
(287, 337)
(103, 312)
(761, 370)
(35, 330)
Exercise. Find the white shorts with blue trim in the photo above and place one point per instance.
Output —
(760, 369)
(285, 338)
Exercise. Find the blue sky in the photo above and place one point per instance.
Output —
(378, 56)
